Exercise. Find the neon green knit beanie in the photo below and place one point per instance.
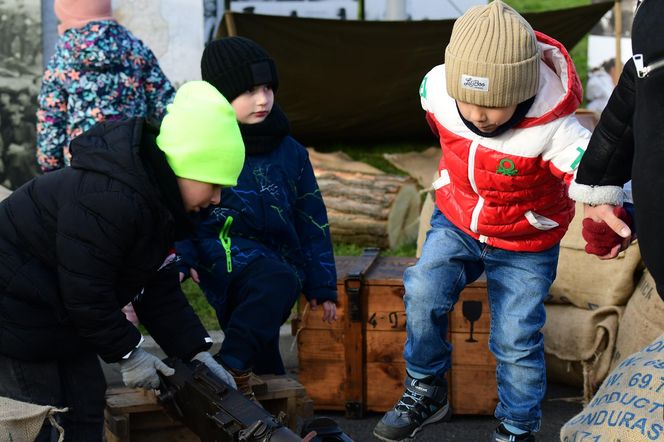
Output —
(200, 136)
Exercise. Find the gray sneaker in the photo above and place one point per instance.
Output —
(424, 402)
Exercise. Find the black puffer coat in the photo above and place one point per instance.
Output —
(78, 244)
(628, 142)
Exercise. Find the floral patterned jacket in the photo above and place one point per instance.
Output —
(99, 72)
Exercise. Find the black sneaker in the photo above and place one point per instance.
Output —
(503, 435)
(422, 403)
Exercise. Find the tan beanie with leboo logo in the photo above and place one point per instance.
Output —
(492, 59)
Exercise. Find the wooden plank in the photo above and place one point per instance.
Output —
(385, 384)
(153, 420)
(385, 347)
(131, 400)
(381, 320)
(313, 319)
(471, 353)
(324, 382)
(319, 345)
(116, 426)
(388, 271)
(473, 389)
(385, 298)
(280, 387)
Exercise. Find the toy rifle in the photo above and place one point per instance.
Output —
(214, 410)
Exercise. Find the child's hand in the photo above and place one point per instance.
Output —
(194, 275)
(329, 310)
(606, 229)
(309, 437)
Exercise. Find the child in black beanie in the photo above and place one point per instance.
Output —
(269, 239)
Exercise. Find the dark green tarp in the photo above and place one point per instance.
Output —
(355, 81)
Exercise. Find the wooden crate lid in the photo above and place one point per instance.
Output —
(387, 270)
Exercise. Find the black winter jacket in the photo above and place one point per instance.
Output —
(628, 141)
(78, 244)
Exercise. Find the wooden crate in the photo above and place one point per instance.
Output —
(344, 366)
(135, 415)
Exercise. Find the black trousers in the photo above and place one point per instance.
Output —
(648, 127)
(77, 383)
(251, 309)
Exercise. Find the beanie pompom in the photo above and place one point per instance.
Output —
(200, 136)
(492, 58)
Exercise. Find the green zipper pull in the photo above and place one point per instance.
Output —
(226, 242)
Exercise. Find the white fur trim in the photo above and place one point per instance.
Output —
(596, 195)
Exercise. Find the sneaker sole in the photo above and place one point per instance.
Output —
(442, 415)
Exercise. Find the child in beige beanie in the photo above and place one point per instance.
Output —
(502, 107)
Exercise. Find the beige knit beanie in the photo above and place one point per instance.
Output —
(492, 59)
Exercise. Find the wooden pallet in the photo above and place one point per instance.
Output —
(135, 415)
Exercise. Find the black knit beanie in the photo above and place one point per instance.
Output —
(234, 65)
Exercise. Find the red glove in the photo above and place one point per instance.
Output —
(600, 237)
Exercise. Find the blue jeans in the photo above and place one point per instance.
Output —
(518, 283)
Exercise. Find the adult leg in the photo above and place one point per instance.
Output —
(84, 388)
(77, 383)
(518, 283)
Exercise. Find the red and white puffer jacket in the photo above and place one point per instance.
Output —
(510, 191)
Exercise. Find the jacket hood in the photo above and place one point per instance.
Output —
(113, 149)
(99, 45)
(560, 91)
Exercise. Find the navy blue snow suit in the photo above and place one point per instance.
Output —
(267, 242)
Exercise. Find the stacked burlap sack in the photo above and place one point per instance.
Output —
(423, 167)
(629, 406)
(584, 310)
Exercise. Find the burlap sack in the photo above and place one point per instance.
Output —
(21, 421)
(629, 406)
(586, 338)
(4, 192)
(587, 281)
(420, 165)
(642, 322)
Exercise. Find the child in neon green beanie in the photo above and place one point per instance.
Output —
(269, 239)
(99, 234)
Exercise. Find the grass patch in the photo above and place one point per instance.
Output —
(200, 305)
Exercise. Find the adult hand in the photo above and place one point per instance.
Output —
(329, 310)
(140, 369)
(606, 229)
(215, 367)
(194, 275)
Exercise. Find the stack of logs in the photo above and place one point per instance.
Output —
(366, 206)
